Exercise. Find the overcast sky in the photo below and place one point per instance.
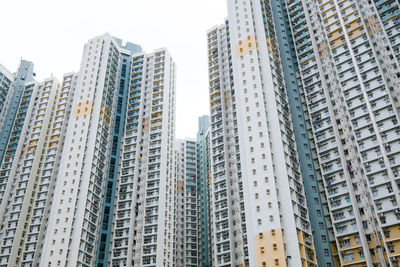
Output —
(51, 34)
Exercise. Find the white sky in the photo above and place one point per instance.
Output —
(51, 34)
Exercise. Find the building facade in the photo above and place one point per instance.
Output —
(179, 204)
(332, 69)
(203, 197)
(270, 224)
(27, 173)
(297, 165)
(61, 172)
(13, 93)
(143, 222)
(127, 50)
(227, 228)
(6, 78)
(346, 63)
(74, 218)
(186, 206)
(315, 200)
(347, 70)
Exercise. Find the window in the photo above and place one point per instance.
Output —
(348, 257)
(387, 234)
(314, 189)
(344, 243)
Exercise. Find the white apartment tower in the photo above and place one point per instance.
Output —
(260, 216)
(228, 240)
(79, 190)
(28, 171)
(143, 221)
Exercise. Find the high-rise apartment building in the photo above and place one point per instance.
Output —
(203, 197)
(315, 200)
(332, 69)
(12, 96)
(227, 234)
(191, 205)
(258, 206)
(6, 78)
(179, 205)
(127, 50)
(68, 152)
(186, 247)
(191, 234)
(246, 76)
(27, 172)
(346, 56)
(298, 164)
(143, 222)
(74, 220)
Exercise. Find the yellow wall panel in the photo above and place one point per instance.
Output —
(270, 248)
